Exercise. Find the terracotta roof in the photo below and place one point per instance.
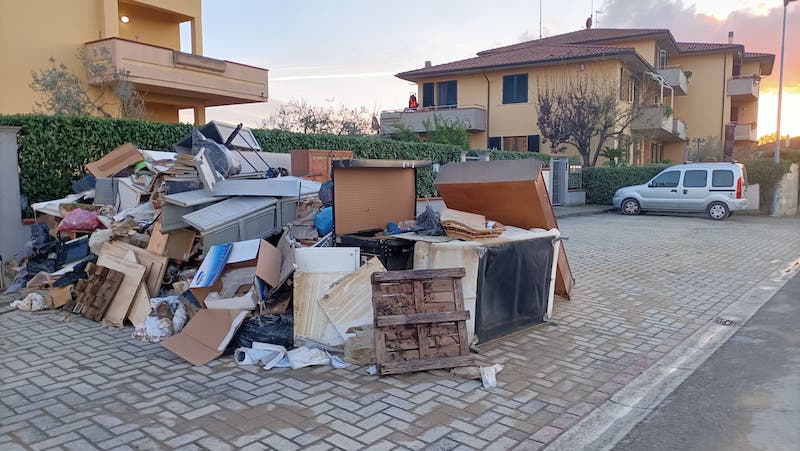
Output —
(693, 47)
(585, 37)
(758, 55)
(538, 54)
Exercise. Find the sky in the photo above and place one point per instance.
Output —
(348, 51)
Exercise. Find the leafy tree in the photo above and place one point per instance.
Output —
(585, 114)
(708, 149)
(65, 93)
(402, 132)
(300, 116)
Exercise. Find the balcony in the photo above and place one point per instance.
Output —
(745, 131)
(163, 71)
(676, 78)
(743, 88)
(472, 115)
(654, 124)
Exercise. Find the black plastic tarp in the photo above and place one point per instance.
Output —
(513, 287)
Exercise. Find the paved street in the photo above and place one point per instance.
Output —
(745, 396)
(644, 284)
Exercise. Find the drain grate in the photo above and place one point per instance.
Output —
(727, 322)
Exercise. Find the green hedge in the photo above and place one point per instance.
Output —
(601, 183)
(55, 149)
(766, 174)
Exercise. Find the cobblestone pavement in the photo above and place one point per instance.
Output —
(644, 284)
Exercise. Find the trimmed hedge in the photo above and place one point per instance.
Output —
(601, 183)
(55, 149)
(766, 174)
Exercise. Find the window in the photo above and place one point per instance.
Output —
(622, 84)
(662, 58)
(515, 88)
(696, 178)
(515, 143)
(722, 178)
(447, 95)
(428, 98)
(495, 142)
(656, 152)
(534, 143)
(667, 179)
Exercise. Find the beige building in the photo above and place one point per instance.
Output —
(141, 37)
(682, 91)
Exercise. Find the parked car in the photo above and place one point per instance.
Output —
(718, 189)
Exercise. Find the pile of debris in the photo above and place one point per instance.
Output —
(214, 248)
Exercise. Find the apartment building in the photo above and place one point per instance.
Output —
(142, 37)
(683, 90)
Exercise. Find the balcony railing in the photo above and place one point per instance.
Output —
(653, 123)
(744, 88)
(421, 119)
(160, 71)
(675, 77)
(745, 131)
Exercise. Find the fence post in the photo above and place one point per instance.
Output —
(13, 234)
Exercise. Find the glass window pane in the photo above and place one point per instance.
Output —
(667, 179)
(695, 178)
(722, 178)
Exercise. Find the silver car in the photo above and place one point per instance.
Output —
(714, 188)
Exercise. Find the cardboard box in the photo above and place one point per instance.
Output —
(368, 194)
(511, 192)
(115, 161)
(265, 257)
(206, 335)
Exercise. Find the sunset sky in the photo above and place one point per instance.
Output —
(349, 51)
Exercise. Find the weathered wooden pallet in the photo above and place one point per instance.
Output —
(420, 320)
(93, 297)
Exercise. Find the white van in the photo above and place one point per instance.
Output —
(718, 189)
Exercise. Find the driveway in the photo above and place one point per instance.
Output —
(643, 285)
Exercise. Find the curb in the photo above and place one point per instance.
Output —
(611, 422)
(584, 213)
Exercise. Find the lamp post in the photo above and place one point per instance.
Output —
(780, 95)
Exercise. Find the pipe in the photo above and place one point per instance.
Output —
(488, 99)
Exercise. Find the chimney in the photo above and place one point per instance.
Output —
(730, 37)
(428, 63)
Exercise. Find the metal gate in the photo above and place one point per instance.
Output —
(559, 168)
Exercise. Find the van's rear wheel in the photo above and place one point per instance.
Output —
(717, 211)
(630, 207)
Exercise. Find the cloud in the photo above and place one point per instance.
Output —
(759, 30)
(327, 76)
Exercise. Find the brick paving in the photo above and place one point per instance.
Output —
(644, 285)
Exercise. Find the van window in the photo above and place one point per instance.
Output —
(696, 178)
(722, 178)
(667, 179)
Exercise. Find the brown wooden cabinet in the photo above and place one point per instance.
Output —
(315, 164)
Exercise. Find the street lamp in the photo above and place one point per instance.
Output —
(780, 95)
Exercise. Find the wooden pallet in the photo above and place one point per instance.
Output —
(420, 320)
(93, 296)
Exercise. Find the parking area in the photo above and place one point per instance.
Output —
(644, 284)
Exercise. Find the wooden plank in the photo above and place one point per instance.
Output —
(416, 318)
(422, 365)
(180, 244)
(158, 240)
(380, 334)
(133, 275)
(418, 274)
(140, 308)
(310, 321)
(348, 304)
(462, 327)
(155, 265)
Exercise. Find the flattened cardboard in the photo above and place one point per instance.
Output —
(61, 295)
(368, 198)
(206, 335)
(268, 266)
(115, 161)
(511, 192)
(179, 244)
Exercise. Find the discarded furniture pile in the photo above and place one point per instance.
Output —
(214, 248)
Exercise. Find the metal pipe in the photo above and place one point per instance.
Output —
(488, 99)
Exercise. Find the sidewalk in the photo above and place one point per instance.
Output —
(72, 383)
(581, 210)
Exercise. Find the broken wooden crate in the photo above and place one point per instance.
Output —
(95, 295)
(420, 320)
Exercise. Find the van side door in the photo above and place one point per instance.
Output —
(694, 190)
(662, 191)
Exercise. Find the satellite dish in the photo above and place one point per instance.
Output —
(589, 23)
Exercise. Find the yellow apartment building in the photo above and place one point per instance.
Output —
(141, 37)
(686, 91)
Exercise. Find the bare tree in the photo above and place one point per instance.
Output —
(586, 114)
(63, 92)
(337, 119)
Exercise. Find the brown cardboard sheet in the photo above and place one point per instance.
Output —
(206, 335)
(368, 198)
(115, 161)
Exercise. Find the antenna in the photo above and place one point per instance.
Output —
(597, 13)
(540, 19)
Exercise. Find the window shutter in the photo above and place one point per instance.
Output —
(508, 89)
(494, 142)
(522, 88)
(428, 97)
(533, 143)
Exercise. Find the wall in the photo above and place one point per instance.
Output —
(160, 112)
(13, 234)
(645, 48)
(788, 192)
(63, 27)
(702, 107)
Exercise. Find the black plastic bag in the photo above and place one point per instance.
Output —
(429, 223)
(277, 330)
(41, 240)
(326, 193)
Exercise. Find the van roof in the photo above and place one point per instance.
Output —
(724, 164)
